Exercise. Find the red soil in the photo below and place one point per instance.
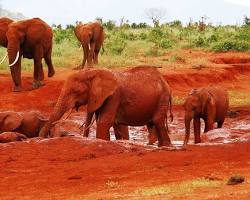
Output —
(75, 168)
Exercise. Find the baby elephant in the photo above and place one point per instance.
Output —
(210, 104)
(26, 123)
(11, 137)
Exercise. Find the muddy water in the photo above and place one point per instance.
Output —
(234, 130)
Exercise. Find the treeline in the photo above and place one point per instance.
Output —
(167, 36)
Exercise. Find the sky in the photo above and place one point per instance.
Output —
(69, 11)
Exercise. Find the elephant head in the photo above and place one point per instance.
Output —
(196, 105)
(16, 37)
(4, 23)
(89, 87)
(9, 121)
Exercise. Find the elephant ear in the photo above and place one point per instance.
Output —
(11, 122)
(103, 85)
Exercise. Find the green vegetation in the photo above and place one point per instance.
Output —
(239, 98)
(177, 190)
(132, 44)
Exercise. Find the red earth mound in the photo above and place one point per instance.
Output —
(76, 168)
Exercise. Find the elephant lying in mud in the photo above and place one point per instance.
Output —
(210, 104)
(136, 97)
(26, 123)
(6, 137)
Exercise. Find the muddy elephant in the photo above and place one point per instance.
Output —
(135, 97)
(27, 123)
(208, 103)
(31, 39)
(4, 23)
(91, 37)
(6, 137)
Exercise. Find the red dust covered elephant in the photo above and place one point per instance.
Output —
(4, 23)
(139, 96)
(91, 37)
(31, 39)
(210, 104)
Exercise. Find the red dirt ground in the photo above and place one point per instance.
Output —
(76, 168)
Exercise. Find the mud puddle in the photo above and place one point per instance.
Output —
(234, 130)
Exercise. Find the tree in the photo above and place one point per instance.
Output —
(246, 20)
(156, 14)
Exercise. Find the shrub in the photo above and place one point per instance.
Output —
(228, 45)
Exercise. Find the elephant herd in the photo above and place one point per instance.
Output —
(33, 39)
(136, 97)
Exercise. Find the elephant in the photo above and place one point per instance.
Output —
(4, 23)
(136, 97)
(11, 137)
(32, 39)
(91, 37)
(207, 103)
(27, 123)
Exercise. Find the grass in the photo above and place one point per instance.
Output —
(176, 190)
(128, 46)
(238, 98)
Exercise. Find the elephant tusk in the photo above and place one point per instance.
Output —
(93, 120)
(4, 58)
(89, 46)
(61, 120)
(15, 61)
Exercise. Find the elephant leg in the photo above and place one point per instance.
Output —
(96, 56)
(152, 136)
(106, 116)
(220, 123)
(197, 130)
(16, 76)
(38, 69)
(159, 121)
(48, 61)
(121, 132)
(209, 125)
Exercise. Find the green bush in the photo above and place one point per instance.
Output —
(116, 43)
(228, 45)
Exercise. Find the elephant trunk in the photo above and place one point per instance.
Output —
(15, 65)
(187, 128)
(61, 107)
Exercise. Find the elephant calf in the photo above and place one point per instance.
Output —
(210, 104)
(11, 137)
(26, 123)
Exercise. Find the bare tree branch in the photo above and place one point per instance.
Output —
(156, 14)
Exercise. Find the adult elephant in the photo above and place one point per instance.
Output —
(31, 39)
(4, 23)
(26, 123)
(135, 97)
(210, 104)
(91, 37)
